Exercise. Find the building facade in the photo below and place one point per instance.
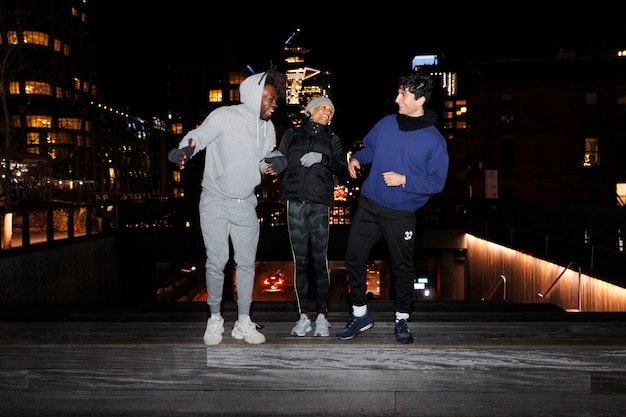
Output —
(548, 129)
(61, 141)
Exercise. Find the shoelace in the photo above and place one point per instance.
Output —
(402, 327)
(352, 321)
(255, 325)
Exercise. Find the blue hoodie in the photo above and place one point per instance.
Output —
(237, 141)
(419, 152)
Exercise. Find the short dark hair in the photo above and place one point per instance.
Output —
(418, 84)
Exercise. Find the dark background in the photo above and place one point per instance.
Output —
(366, 49)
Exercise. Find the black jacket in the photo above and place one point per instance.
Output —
(316, 183)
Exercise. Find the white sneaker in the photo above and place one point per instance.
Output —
(321, 326)
(247, 330)
(302, 326)
(213, 332)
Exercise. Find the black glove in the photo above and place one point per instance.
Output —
(175, 154)
(278, 161)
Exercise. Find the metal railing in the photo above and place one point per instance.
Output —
(545, 293)
(495, 286)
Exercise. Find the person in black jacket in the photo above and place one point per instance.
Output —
(315, 157)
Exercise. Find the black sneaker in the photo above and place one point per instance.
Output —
(356, 325)
(402, 332)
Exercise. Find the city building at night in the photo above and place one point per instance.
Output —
(63, 142)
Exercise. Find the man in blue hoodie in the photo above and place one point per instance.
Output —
(409, 163)
(237, 140)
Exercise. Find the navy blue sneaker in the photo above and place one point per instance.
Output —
(356, 325)
(402, 332)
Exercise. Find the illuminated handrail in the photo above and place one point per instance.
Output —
(545, 293)
(493, 289)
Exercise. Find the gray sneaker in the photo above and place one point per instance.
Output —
(321, 326)
(302, 326)
(247, 330)
(213, 332)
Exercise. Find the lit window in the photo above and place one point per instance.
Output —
(37, 87)
(38, 121)
(12, 37)
(234, 95)
(60, 138)
(215, 96)
(620, 191)
(70, 123)
(176, 128)
(36, 38)
(14, 87)
(32, 138)
(236, 77)
(592, 155)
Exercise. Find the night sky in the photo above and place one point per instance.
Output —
(365, 50)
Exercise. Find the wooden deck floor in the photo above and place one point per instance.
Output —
(467, 360)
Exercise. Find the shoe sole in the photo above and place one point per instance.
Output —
(361, 330)
(404, 342)
(211, 342)
(239, 336)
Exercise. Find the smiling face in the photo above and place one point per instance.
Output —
(408, 104)
(269, 102)
(323, 113)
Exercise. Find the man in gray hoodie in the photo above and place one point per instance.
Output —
(237, 139)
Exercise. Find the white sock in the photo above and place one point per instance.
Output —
(401, 316)
(359, 311)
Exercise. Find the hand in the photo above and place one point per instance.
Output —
(353, 166)
(277, 164)
(178, 156)
(310, 158)
(393, 179)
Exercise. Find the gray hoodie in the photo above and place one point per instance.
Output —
(237, 141)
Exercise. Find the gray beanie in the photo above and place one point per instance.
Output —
(318, 102)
